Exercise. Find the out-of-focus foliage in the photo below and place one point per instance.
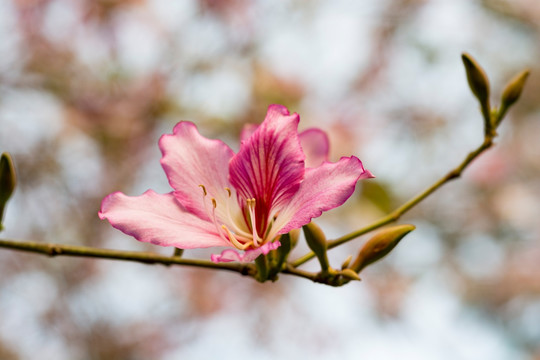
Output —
(87, 87)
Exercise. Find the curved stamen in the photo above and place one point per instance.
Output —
(240, 239)
(251, 208)
(214, 219)
(236, 228)
(234, 241)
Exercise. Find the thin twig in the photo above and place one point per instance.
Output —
(137, 256)
(396, 214)
(291, 270)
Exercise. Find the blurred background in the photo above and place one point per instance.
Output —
(87, 88)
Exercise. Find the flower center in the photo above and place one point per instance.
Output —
(241, 234)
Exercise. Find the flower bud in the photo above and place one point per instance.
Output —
(316, 241)
(350, 274)
(288, 242)
(8, 181)
(513, 89)
(294, 234)
(477, 78)
(346, 263)
(380, 245)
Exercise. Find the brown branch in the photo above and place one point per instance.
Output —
(136, 256)
(396, 214)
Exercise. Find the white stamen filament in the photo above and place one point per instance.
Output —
(251, 209)
(231, 221)
(240, 239)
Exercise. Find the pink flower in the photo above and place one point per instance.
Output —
(278, 181)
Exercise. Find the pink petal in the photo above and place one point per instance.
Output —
(190, 160)
(248, 256)
(270, 164)
(324, 188)
(158, 219)
(315, 145)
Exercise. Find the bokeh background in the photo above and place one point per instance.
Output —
(88, 86)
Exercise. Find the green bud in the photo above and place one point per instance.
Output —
(477, 78)
(287, 244)
(293, 237)
(380, 245)
(279, 256)
(513, 89)
(346, 263)
(350, 274)
(8, 181)
(316, 241)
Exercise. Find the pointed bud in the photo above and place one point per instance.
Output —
(8, 181)
(513, 89)
(477, 78)
(350, 274)
(316, 241)
(346, 263)
(380, 245)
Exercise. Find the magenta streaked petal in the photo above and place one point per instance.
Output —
(190, 160)
(158, 219)
(270, 164)
(229, 255)
(315, 145)
(324, 188)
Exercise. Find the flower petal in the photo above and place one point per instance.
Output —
(270, 164)
(324, 188)
(190, 160)
(158, 219)
(315, 145)
(229, 255)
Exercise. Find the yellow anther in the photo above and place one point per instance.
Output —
(228, 191)
(203, 189)
(214, 203)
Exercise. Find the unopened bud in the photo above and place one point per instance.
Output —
(288, 242)
(316, 241)
(513, 89)
(8, 181)
(380, 245)
(293, 236)
(477, 78)
(350, 274)
(346, 263)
